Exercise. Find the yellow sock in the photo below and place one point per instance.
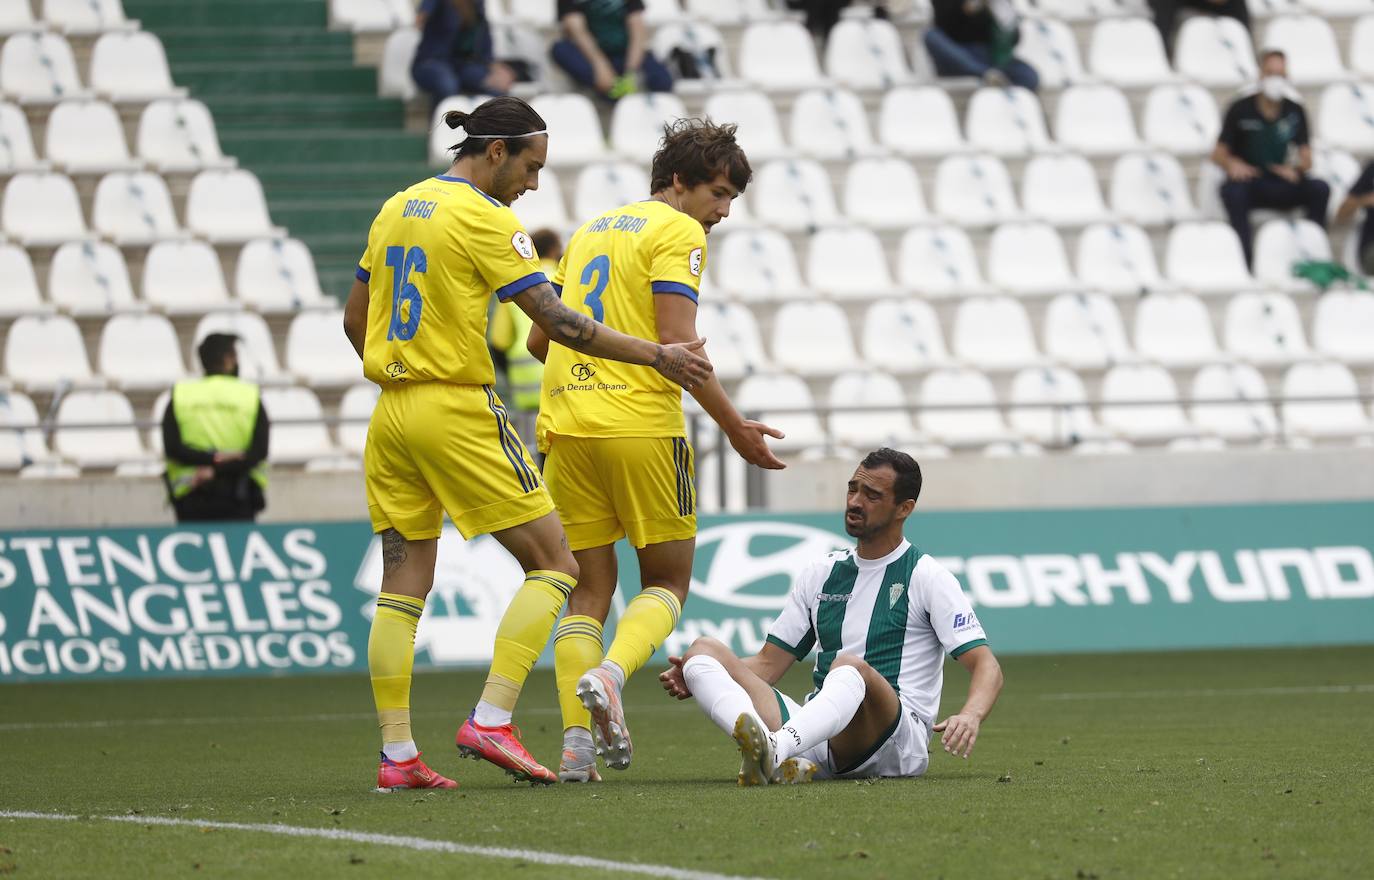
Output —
(576, 648)
(648, 620)
(523, 633)
(390, 659)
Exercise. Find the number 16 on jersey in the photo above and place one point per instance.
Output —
(406, 304)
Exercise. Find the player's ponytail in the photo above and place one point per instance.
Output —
(506, 119)
(456, 118)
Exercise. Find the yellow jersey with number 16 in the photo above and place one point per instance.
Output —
(612, 269)
(435, 254)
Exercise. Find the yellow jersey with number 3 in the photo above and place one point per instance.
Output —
(435, 254)
(612, 269)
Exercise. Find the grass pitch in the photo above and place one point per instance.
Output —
(1230, 764)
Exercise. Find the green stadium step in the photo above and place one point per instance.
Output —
(282, 77)
(342, 145)
(383, 178)
(179, 38)
(327, 53)
(307, 112)
(157, 14)
(326, 216)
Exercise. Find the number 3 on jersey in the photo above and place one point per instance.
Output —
(406, 304)
(600, 268)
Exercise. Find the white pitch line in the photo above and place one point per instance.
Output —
(1213, 692)
(413, 843)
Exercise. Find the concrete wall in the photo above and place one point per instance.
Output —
(959, 483)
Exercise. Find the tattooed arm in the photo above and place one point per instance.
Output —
(680, 361)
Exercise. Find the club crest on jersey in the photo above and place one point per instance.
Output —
(894, 593)
(522, 244)
(694, 262)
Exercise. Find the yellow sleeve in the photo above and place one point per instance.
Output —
(503, 254)
(501, 329)
(678, 259)
(562, 271)
(364, 273)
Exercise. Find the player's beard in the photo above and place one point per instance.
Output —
(502, 184)
(861, 528)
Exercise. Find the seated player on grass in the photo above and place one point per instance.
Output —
(882, 616)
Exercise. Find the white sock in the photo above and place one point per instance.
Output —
(577, 737)
(401, 751)
(488, 715)
(829, 712)
(616, 672)
(719, 695)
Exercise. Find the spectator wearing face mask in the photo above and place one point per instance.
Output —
(1265, 151)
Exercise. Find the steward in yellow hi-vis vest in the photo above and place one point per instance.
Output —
(215, 438)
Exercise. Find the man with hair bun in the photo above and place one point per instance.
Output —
(440, 440)
(619, 464)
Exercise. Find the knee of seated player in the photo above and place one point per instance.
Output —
(852, 660)
(705, 646)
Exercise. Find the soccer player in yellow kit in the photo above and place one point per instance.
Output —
(619, 465)
(440, 441)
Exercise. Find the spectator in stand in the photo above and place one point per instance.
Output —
(1361, 195)
(1265, 151)
(1166, 15)
(975, 38)
(455, 55)
(605, 47)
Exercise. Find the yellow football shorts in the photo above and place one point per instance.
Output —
(434, 447)
(608, 488)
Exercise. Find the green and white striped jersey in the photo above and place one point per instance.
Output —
(901, 613)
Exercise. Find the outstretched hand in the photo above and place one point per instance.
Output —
(959, 734)
(673, 681)
(681, 362)
(749, 443)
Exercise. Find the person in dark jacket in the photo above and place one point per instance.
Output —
(455, 55)
(976, 38)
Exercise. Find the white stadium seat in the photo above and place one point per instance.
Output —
(778, 55)
(974, 190)
(1049, 46)
(42, 209)
(728, 11)
(793, 195)
(994, 333)
(16, 17)
(442, 138)
(1323, 418)
(356, 403)
(89, 278)
(919, 121)
(1062, 189)
(134, 208)
(657, 12)
(228, 206)
(16, 141)
(1150, 189)
(140, 351)
(295, 443)
(735, 345)
(1310, 45)
(760, 132)
(85, 16)
(277, 275)
(1206, 258)
(784, 402)
(1215, 50)
(179, 135)
(1340, 170)
(1173, 329)
(319, 353)
(637, 122)
(608, 185)
(1181, 119)
(184, 277)
(848, 263)
(884, 194)
(21, 442)
(1280, 244)
(1117, 258)
(703, 45)
(86, 136)
(968, 424)
(21, 285)
(1028, 259)
(867, 430)
(257, 353)
(1006, 122)
(544, 207)
(939, 261)
(1085, 331)
(903, 335)
(830, 124)
(131, 66)
(1344, 325)
(813, 339)
(1128, 52)
(1362, 47)
(866, 54)
(757, 264)
(363, 16)
(43, 352)
(38, 67)
(1264, 328)
(393, 74)
(1251, 418)
(535, 12)
(102, 447)
(1125, 387)
(1069, 421)
(1095, 120)
(580, 139)
(1346, 116)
